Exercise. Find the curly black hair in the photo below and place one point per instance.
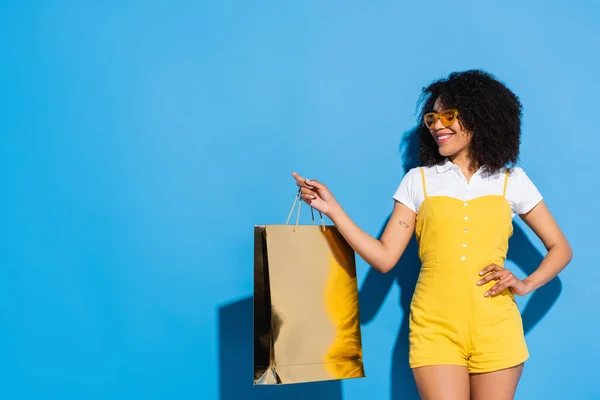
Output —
(487, 109)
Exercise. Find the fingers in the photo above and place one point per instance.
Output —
(504, 283)
(493, 271)
(489, 268)
(307, 183)
(301, 182)
(307, 194)
(307, 198)
(315, 184)
(492, 276)
(496, 273)
(504, 277)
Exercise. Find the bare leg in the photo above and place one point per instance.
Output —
(442, 382)
(497, 385)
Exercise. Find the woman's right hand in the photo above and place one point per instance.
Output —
(316, 195)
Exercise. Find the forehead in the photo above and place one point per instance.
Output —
(438, 105)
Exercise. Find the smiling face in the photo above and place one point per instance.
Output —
(452, 140)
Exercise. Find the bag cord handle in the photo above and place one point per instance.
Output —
(298, 194)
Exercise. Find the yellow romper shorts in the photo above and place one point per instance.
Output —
(451, 322)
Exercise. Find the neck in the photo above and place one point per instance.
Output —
(464, 162)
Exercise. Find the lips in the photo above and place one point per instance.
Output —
(443, 138)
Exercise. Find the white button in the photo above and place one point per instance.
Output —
(466, 230)
(466, 204)
(464, 258)
(464, 245)
(466, 218)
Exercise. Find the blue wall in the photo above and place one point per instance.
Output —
(141, 140)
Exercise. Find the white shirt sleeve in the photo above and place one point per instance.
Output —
(408, 190)
(521, 192)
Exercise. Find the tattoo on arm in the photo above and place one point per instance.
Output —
(403, 224)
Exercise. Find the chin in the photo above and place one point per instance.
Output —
(445, 152)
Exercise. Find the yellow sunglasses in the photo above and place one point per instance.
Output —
(447, 117)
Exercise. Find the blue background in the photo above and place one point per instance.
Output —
(141, 141)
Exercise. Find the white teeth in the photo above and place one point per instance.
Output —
(443, 137)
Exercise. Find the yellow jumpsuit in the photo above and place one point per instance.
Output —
(451, 321)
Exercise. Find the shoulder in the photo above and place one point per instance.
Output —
(410, 190)
(414, 173)
(512, 174)
(521, 192)
(409, 179)
(516, 173)
(517, 177)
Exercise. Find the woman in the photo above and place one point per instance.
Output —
(466, 333)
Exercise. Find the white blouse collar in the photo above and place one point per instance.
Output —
(444, 166)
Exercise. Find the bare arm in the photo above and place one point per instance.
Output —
(541, 221)
(559, 255)
(381, 254)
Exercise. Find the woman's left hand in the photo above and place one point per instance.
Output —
(505, 279)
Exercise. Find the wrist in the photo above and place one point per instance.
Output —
(335, 212)
(530, 284)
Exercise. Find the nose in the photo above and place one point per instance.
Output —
(438, 125)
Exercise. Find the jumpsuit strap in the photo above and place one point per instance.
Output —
(423, 179)
(505, 181)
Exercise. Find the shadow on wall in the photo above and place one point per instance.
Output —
(236, 361)
(376, 287)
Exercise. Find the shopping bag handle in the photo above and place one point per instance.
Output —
(298, 194)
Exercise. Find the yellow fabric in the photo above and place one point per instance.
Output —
(451, 320)
(424, 184)
(505, 182)
(343, 359)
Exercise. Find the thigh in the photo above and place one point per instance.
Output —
(442, 382)
(496, 385)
